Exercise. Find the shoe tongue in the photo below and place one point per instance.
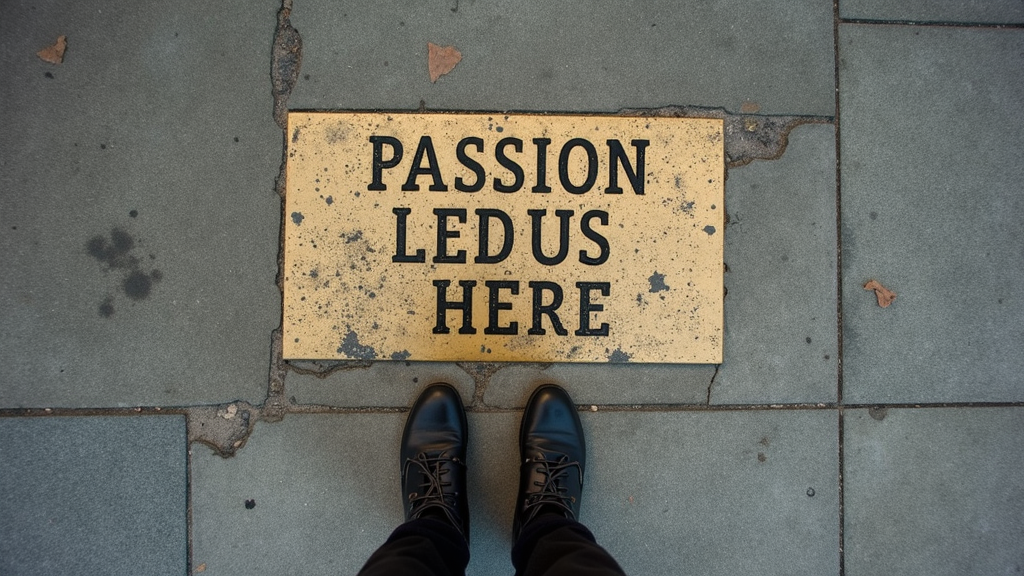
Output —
(435, 513)
(550, 510)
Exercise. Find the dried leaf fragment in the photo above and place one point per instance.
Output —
(54, 54)
(441, 60)
(884, 295)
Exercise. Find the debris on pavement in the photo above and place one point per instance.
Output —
(54, 54)
(441, 60)
(223, 428)
(228, 413)
(884, 295)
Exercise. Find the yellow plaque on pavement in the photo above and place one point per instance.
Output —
(503, 238)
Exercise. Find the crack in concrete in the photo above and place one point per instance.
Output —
(324, 368)
(286, 59)
(711, 384)
(276, 404)
(748, 137)
(481, 373)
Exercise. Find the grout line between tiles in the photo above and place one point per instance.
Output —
(839, 285)
(931, 23)
(189, 531)
(624, 407)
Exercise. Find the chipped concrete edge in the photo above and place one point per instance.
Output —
(748, 137)
(224, 428)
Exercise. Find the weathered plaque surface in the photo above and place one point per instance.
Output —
(492, 237)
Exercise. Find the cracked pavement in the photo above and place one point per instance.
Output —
(141, 187)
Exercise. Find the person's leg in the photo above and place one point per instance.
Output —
(434, 540)
(549, 539)
(552, 545)
(423, 547)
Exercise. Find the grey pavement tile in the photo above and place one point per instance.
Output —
(710, 492)
(781, 343)
(325, 494)
(138, 217)
(934, 491)
(744, 492)
(379, 384)
(932, 208)
(990, 11)
(93, 495)
(510, 387)
(567, 56)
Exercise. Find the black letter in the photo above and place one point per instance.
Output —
(542, 164)
(510, 164)
(460, 153)
(636, 177)
(379, 163)
(563, 236)
(443, 234)
(495, 305)
(443, 305)
(601, 241)
(538, 308)
(485, 215)
(400, 255)
(563, 166)
(426, 146)
(586, 307)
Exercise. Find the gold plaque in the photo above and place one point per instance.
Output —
(503, 238)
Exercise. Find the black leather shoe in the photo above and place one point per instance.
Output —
(434, 458)
(553, 455)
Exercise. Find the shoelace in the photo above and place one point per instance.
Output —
(432, 493)
(552, 490)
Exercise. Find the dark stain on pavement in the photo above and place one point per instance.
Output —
(878, 412)
(107, 307)
(116, 253)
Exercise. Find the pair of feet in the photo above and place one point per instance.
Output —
(551, 448)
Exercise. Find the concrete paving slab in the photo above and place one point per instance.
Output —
(934, 491)
(384, 384)
(93, 495)
(139, 219)
(603, 384)
(711, 492)
(567, 56)
(990, 11)
(931, 168)
(781, 343)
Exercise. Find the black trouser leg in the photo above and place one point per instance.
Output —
(423, 547)
(551, 545)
